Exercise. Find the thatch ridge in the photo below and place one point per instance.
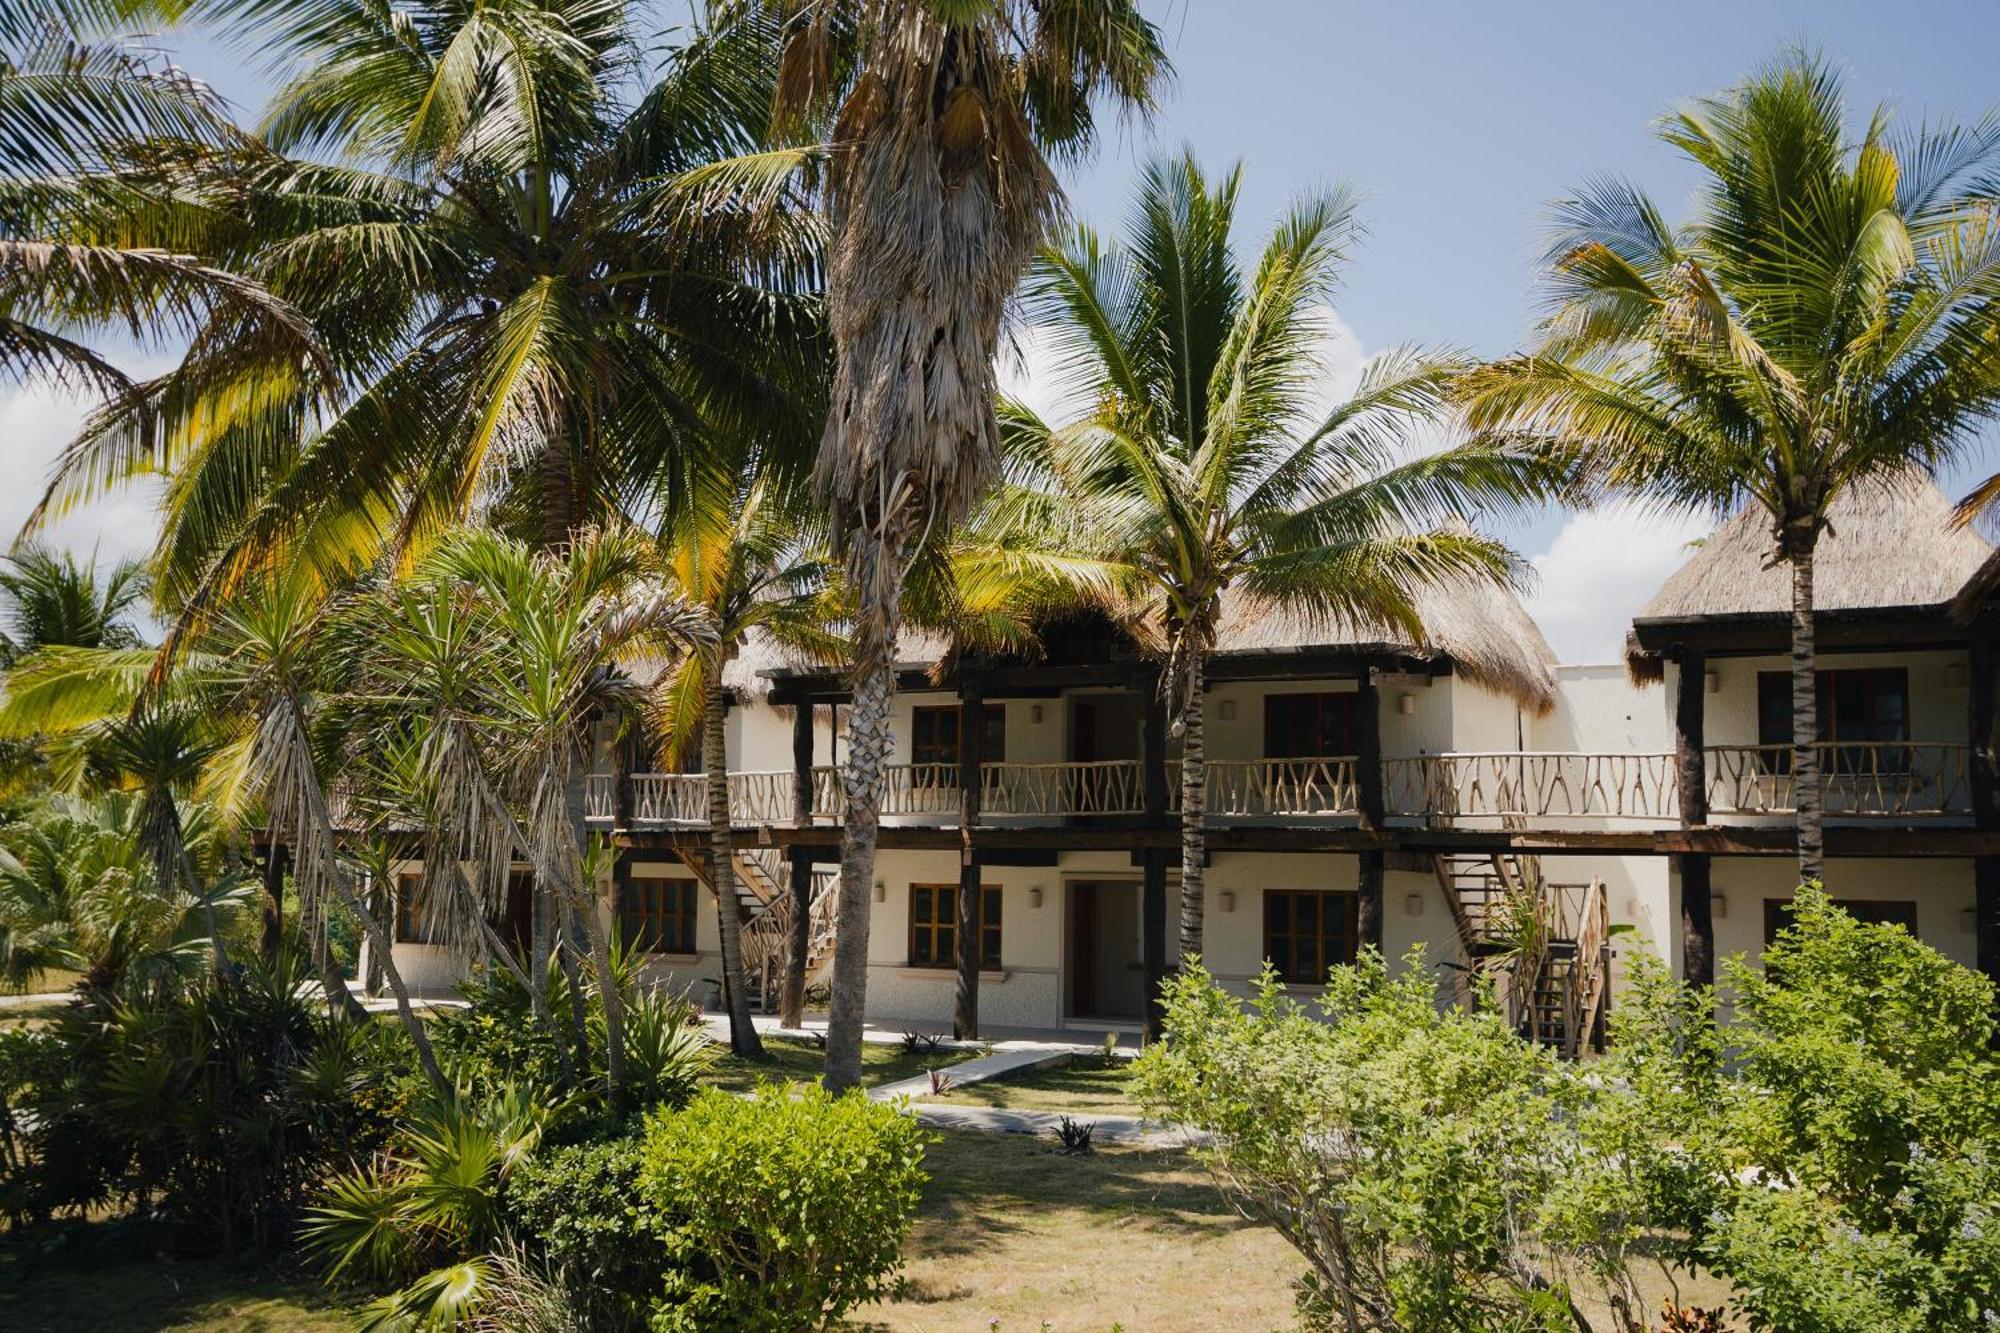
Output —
(1888, 545)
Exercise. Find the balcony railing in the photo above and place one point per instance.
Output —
(1858, 779)
(1898, 779)
(1275, 788)
(1516, 784)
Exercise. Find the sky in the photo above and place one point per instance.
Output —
(1459, 120)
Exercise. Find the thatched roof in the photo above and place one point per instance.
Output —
(1483, 631)
(1888, 546)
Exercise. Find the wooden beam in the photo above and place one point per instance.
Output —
(1982, 718)
(1368, 752)
(971, 754)
(1697, 921)
(1690, 752)
(1153, 872)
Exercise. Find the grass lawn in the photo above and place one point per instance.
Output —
(1084, 1084)
(208, 1296)
(1013, 1232)
(794, 1061)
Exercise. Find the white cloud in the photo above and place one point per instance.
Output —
(1601, 567)
(35, 423)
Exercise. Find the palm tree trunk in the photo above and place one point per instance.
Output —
(380, 943)
(868, 740)
(1194, 811)
(340, 1001)
(743, 1039)
(1806, 786)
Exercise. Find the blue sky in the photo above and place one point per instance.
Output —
(1459, 120)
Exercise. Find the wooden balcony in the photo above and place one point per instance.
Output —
(1859, 780)
(1520, 789)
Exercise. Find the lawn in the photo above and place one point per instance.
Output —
(794, 1061)
(1084, 1084)
(1015, 1233)
(129, 1296)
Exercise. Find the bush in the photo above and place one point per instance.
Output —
(781, 1211)
(580, 1207)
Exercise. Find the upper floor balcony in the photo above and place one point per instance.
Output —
(1742, 784)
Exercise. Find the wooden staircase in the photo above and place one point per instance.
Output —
(1545, 945)
(764, 906)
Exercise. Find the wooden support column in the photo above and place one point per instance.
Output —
(272, 935)
(1691, 786)
(971, 755)
(798, 947)
(1153, 885)
(1369, 804)
(1982, 722)
(628, 754)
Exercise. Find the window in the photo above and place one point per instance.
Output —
(1308, 932)
(934, 734)
(1868, 911)
(1308, 726)
(1855, 704)
(409, 913)
(657, 915)
(934, 925)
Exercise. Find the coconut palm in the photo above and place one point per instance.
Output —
(49, 597)
(740, 550)
(1198, 466)
(98, 228)
(938, 187)
(524, 319)
(1825, 321)
(565, 620)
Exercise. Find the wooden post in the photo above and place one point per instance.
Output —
(971, 755)
(1369, 804)
(798, 951)
(1982, 715)
(273, 930)
(1153, 885)
(1691, 785)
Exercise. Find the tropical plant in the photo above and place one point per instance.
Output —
(1198, 467)
(740, 549)
(938, 119)
(1834, 1153)
(79, 892)
(53, 598)
(98, 228)
(1824, 322)
(522, 317)
(779, 1211)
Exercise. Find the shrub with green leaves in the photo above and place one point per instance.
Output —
(580, 1207)
(1423, 1160)
(781, 1211)
(1834, 1152)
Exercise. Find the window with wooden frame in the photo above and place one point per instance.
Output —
(1869, 705)
(934, 926)
(1868, 911)
(409, 909)
(1309, 726)
(1308, 931)
(934, 736)
(657, 915)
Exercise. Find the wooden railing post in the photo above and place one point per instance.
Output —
(1153, 885)
(798, 944)
(1691, 769)
(1982, 720)
(971, 757)
(1368, 799)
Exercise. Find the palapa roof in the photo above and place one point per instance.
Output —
(1888, 546)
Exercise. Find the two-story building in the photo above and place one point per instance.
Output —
(1363, 788)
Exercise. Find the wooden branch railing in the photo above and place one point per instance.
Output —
(1532, 784)
(1858, 779)
(1273, 788)
(1105, 787)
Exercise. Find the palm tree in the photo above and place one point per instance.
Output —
(1198, 468)
(938, 187)
(739, 550)
(525, 320)
(562, 623)
(52, 598)
(97, 228)
(1825, 321)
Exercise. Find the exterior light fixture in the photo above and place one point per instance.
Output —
(1228, 900)
(1413, 904)
(1226, 710)
(1035, 896)
(1035, 714)
(1718, 906)
(1406, 704)
(1712, 681)
(881, 892)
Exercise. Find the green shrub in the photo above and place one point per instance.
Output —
(580, 1207)
(667, 1049)
(781, 1211)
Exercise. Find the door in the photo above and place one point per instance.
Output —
(1107, 978)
